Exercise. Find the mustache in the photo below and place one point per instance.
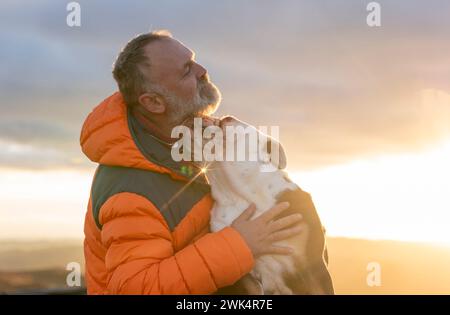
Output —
(204, 79)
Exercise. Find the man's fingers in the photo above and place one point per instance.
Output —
(284, 234)
(248, 213)
(279, 250)
(284, 222)
(276, 210)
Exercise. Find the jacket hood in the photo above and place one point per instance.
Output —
(106, 137)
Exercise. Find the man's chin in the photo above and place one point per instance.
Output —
(205, 107)
(212, 96)
(209, 110)
(205, 112)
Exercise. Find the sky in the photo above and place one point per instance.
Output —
(364, 112)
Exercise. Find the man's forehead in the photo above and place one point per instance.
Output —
(168, 53)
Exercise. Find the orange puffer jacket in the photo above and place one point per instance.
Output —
(147, 223)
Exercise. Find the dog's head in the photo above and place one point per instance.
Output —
(247, 147)
(235, 146)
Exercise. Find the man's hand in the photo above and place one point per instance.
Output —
(261, 232)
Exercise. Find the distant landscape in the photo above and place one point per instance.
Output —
(406, 268)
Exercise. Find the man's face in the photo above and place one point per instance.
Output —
(186, 87)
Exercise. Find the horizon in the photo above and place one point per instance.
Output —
(322, 183)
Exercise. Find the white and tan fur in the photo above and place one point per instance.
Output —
(237, 184)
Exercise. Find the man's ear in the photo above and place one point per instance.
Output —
(152, 102)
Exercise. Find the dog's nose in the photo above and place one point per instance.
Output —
(225, 120)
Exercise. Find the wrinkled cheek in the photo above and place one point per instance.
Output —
(187, 91)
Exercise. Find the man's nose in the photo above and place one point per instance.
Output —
(201, 71)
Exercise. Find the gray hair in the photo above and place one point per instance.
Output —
(127, 69)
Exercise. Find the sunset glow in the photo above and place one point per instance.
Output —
(402, 197)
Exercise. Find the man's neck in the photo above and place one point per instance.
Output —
(159, 128)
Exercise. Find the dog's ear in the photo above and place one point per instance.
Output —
(278, 160)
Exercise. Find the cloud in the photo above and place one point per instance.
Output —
(337, 88)
(20, 156)
(33, 131)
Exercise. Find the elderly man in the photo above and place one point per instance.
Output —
(147, 223)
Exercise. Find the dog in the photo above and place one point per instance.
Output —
(236, 184)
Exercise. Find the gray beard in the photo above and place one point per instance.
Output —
(205, 102)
